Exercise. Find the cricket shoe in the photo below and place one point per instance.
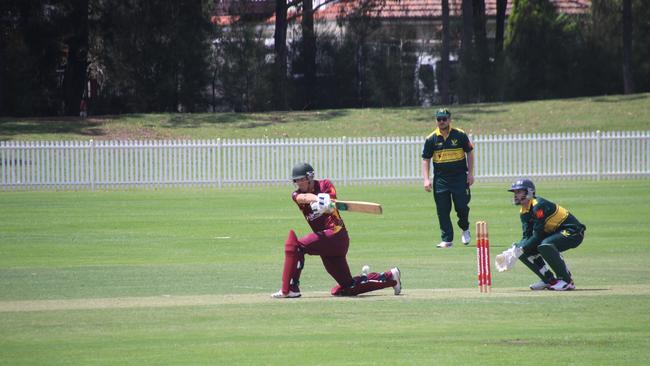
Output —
(562, 285)
(541, 285)
(282, 295)
(397, 276)
(444, 244)
(466, 238)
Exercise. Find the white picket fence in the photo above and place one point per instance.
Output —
(230, 162)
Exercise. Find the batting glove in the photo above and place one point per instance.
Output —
(315, 207)
(325, 202)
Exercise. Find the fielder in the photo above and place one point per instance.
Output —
(452, 155)
(329, 240)
(549, 229)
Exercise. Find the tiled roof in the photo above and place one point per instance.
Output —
(573, 6)
(413, 9)
(421, 9)
(395, 9)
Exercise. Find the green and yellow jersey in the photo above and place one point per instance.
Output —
(447, 155)
(542, 218)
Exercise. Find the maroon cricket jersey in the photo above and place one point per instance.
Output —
(325, 221)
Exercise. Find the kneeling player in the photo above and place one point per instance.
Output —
(549, 229)
(329, 240)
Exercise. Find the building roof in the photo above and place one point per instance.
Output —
(416, 9)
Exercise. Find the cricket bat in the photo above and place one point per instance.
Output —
(359, 206)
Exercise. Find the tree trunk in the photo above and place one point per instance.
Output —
(309, 52)
(361, 67)
(444, 62)
(74, 81)
(3, 112)
(478, 13)
(280, 46)
(482, 62)
(628, 79)
(465, 76)
(500, 30)
(468, 33)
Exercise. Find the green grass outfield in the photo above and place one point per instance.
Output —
(184, 277)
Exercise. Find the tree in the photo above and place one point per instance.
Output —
(155, 54)
(280, 47)
(466, 52)
(308, 53)
(606, 39)
(361, 26)
(30, 54)
(502, 5)
(550, 68)
(628, 80)
(481, 58)
(244, 81)
(444, 55)
(474, 57)
(75, 23)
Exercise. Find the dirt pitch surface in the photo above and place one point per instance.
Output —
(209, 300)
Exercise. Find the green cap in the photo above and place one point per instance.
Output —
(443, 112)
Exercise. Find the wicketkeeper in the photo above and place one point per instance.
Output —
(549, 229)
(329, 240)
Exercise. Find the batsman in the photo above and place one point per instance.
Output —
(329, 240)
(548, 230)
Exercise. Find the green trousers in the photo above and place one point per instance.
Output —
(548, 252)
(444, 194)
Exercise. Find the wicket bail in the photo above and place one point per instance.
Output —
(483, 256)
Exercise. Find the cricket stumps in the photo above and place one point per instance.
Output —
(483, 257)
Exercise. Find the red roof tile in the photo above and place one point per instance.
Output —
(420, 9)
(411, 9)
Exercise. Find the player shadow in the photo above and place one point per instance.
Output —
(370, 295)
(576, 290)
(618, 98)
(592, 289)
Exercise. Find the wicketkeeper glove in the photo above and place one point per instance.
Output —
(508, 258)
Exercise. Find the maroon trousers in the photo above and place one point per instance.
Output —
(332, 246)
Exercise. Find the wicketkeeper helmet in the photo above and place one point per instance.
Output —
(302, 170)
(526, 184)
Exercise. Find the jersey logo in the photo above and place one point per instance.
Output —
(454, 142)
(539, 214)
(313, 216)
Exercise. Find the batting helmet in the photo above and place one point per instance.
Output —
(302, 170)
